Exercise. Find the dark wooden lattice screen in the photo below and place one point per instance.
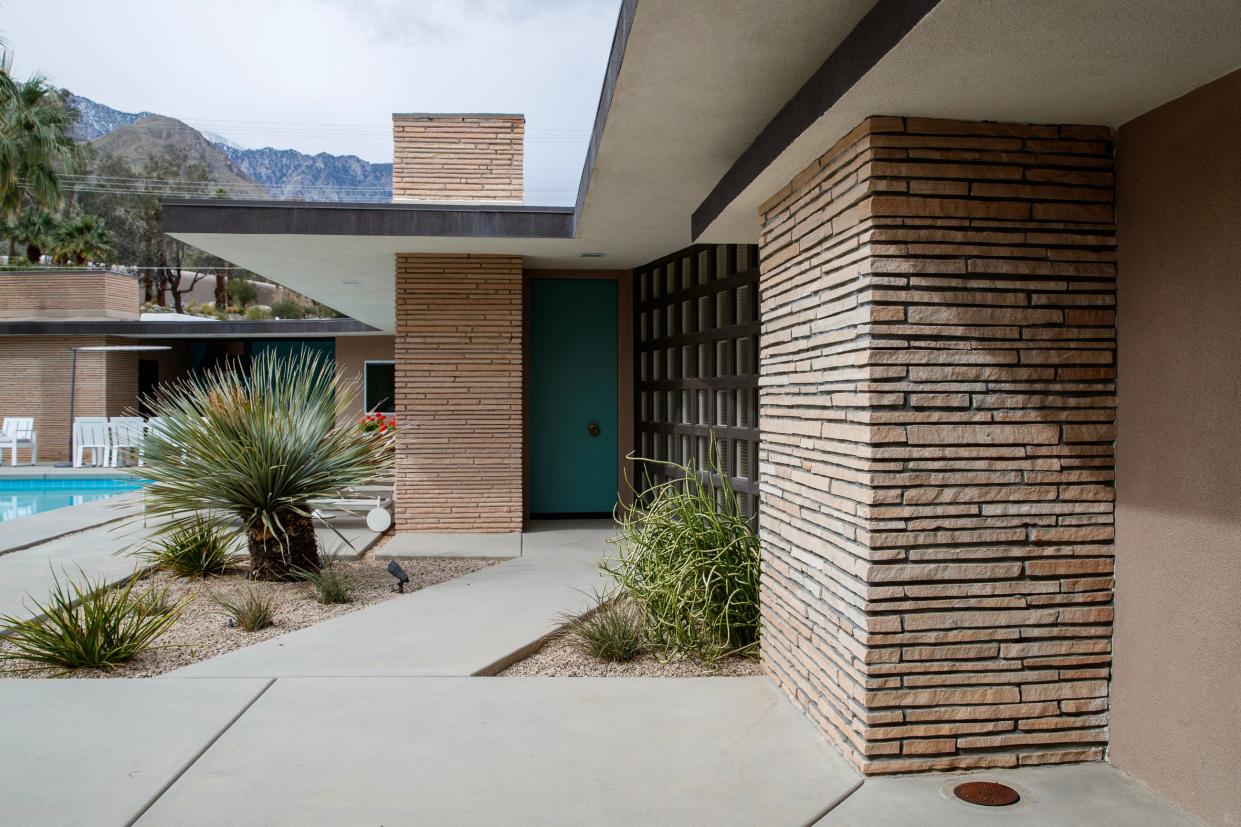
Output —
(697, 362)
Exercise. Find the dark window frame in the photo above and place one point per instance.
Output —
(366, 382)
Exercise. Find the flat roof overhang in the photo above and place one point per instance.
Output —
(273, 329)
(341, 254)
(1101, 62)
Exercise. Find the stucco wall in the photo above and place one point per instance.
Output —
(1176, 721)
(351, 353)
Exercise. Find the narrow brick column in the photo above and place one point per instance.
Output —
(459, 393)
(937, 399)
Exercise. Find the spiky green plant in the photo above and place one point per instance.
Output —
(329, 584)
(87, 625)
(260, 444)
(690, 559)
(612, 631)
(249, 611)
(197, 547)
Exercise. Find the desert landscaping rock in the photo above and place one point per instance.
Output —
(203, 631)
(559, 659)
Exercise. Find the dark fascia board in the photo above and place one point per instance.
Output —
(298, 328)
(246, 217)
(620, 39)
(876, 33)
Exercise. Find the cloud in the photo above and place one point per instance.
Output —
(436, 20)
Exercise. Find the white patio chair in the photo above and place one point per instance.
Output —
(94, 434)
(127, 434)
(18, 432)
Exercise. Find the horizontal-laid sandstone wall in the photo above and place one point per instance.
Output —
(459, 397)
(449, 158)
(937, 413)
(68, 294)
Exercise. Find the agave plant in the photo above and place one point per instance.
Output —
(260, 444)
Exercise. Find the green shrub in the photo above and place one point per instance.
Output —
(612, 632)
(87, 625)
(288, 309)
(250, 610)
(328, 584)
(689, 558)
(242, 292)
(197, 547)
(257, 313)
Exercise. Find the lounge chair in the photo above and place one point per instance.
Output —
(92, 433)
(127, 436)
(18, 432)
(378, 517)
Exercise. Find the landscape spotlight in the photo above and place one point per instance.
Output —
(399, 573)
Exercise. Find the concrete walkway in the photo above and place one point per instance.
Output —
(713, 751)
(466, 626)
(1092, 795)
(372, 718)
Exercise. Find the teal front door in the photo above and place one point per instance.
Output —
(573, 417)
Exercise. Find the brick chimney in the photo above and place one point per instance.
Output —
(448, 158)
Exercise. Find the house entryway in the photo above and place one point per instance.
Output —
(573, 396)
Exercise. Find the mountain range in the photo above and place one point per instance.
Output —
(283, 173)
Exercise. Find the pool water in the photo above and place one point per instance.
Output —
(23, 497)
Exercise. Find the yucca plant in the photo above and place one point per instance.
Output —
(197, 547)
(690, 559)
(87, 625)
(260, 444)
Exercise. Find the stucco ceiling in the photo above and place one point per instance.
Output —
(1035, 61)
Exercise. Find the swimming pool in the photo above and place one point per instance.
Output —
(23, 497)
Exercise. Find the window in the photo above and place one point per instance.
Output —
(379, 392)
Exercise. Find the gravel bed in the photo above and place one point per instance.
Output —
(558, 658)
(203, 629)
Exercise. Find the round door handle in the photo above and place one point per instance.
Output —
(593, 429)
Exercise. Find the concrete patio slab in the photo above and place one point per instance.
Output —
(50, 525)
(461, 627)
(1089, 795)
(550, 751)
(98, 552)
(98, 752)
(429, 544)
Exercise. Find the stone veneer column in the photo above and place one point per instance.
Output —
(459, 393)
(937, 398)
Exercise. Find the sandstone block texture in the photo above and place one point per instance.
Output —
(937, 410)
(458, 348)
(457, 158)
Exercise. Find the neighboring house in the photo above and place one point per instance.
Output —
(882, 251)
(45, 314)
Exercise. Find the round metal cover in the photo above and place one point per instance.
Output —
(986, 793)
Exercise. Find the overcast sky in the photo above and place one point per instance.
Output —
(326, 75)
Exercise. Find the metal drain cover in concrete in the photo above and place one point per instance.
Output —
(986, 793)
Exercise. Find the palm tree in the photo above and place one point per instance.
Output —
(82, 239)
(35, 229)
(35, 144)
(259, 445)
